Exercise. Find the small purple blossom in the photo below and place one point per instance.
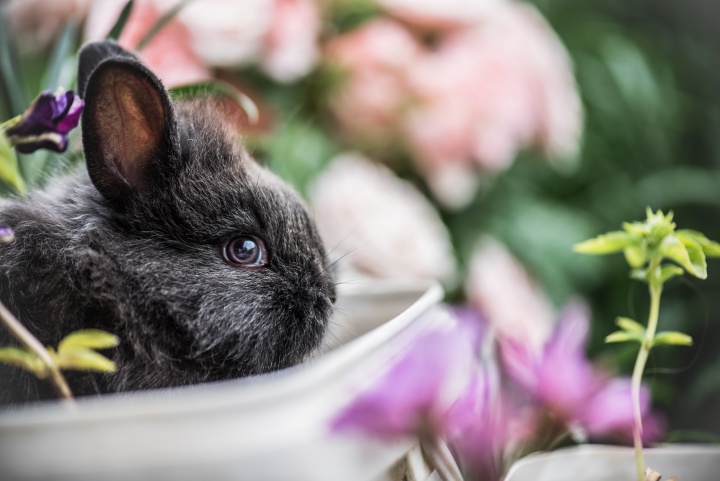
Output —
(430, 391)
(46, 123)
(6, 234)
(565, 383)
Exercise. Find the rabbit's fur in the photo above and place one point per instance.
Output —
(132, 245)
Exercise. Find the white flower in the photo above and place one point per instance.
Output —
(380, 224)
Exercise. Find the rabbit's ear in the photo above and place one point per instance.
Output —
(129, 129)
(90, 57)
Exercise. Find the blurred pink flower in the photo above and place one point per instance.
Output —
(495, 435)
(564, 381)
(374, 59)
(290, 49)
(512, 303)
(432, 390)
(467, 104)
(169, 54)
(280, 35)
(379, 224)
(36, 23)
(432, 14)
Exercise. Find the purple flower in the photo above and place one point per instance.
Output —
(431, 391)
(564, 381)
(46, 123)
(6, 234)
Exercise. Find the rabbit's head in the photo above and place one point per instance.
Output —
(223, 267)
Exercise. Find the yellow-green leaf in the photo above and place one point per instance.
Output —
(629, 325)
(622, 336)
(9, 170)
(635, 255)
(85, 360)
(709, 248)
(638, 229)
(669, 271)
(673, 338)
(639, 274)
(88, 339)
(23, 358)
(606, 243)
(689, 255)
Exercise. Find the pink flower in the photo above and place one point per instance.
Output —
(170, 54)
(373, 59)
(467, 104)
(432, 390)
(386, 228)
(290, 49)
(512, 303)
(565, 383)
(280, 35)
(434, 15)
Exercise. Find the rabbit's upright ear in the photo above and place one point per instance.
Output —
(129, 128)
(90, 57)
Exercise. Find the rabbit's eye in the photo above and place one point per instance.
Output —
(245, 251)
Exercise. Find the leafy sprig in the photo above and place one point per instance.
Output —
(76, 351)
(656, 253)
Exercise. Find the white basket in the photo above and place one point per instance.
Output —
(272, 427)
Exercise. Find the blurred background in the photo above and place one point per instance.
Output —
(473, 142)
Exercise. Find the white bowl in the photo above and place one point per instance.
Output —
(272, 427)
(611, 463)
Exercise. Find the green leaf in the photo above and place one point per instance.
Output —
(606, 243)
(9, 169)
(62, 50)
(635, 255)
(88, 339)
(673, 338)
(669, 271)
(709, 248)
(162, 21)
(84, 360)
(12, 84)
(623, 336)
(639, 274)
(629, 325)
(219, 88)
(23, 358)
(689, 255)
(122, 19)
(638, 229)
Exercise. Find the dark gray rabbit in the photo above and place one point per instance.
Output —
(206, 265)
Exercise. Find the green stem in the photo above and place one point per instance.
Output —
(655, 293)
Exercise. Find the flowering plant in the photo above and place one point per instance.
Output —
(647, 245)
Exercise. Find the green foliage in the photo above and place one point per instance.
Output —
(76, 351)
(217, 88)
(672, 338)
(160, 24)
(647, 244)
(122, 19)
(9, 171)
(297, 152)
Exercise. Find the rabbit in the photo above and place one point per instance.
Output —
(205, 264)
